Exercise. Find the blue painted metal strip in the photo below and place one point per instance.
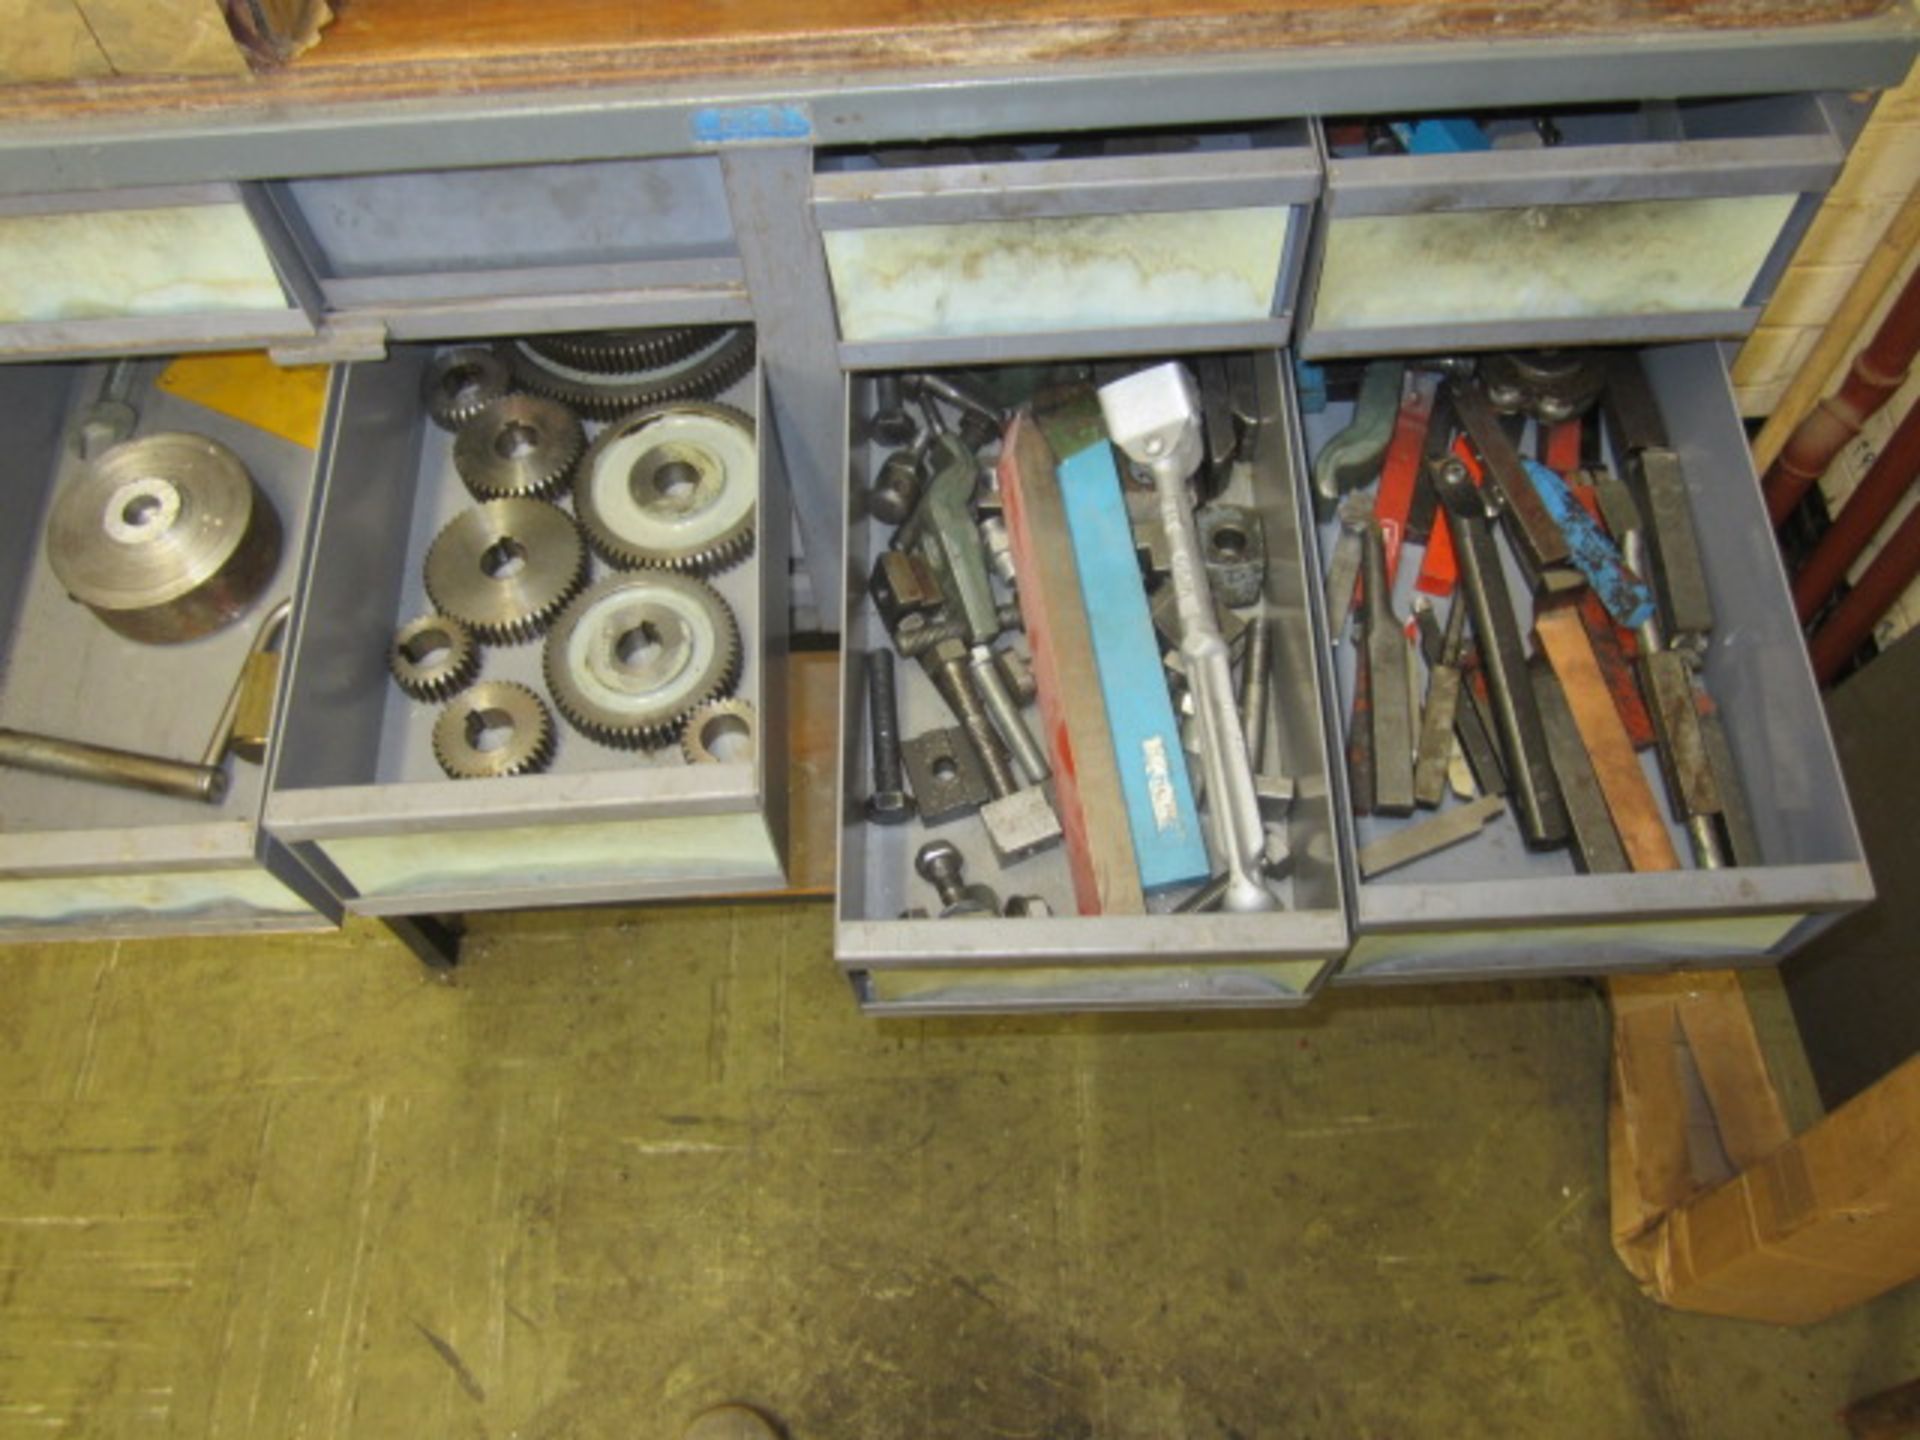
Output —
(1167, 842)
(1626, 596)
(745, 124)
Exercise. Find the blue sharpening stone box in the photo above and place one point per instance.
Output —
(1167, 843)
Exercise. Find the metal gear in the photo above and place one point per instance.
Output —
(711, 725)
(672, 488)
(165, 538)
(506, 567)
(612, 351)
(520, 445)
(496, 729)
(609, 395)
(460, 383)
(636, 654)
(433, 657)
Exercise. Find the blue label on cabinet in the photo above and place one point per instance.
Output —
(744, 124)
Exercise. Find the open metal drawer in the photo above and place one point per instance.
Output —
(1066, 961)
(83, 860)
(1101, 244)
(358, 792)
(1660, 221)
(1490, 908)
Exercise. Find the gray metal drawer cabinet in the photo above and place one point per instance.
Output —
(358, 792)
(1100, 244)
(1658, 221)
(1490, 908)
(80, 860)
(1067, 961)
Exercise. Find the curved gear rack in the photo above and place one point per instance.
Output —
(520, 446)
(612, 351)
(607, 395)
(496, 729)
(671, 488)
(461, 383)
(506, 567)
(636, 654)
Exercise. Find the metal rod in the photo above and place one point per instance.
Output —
(1005, 713)
(103, 765)
(1535, 790)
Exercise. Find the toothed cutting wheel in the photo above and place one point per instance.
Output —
(710, 727)
(672, 488)
(606, 351)
(610, 394)
(495, 729)
(433, 657)
(636, 654)
(506, 567)
(461, 383)
(520, 445)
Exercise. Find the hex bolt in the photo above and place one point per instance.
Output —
(896, 489)
(942, 866)
(946, 665)
(888, 802)
(892, 424)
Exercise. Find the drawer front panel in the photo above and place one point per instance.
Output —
(1064, 274)
(173, 261)
(1566, 262)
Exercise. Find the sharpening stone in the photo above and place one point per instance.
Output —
(1167, 843)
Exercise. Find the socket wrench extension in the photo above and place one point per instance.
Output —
(1154, 416)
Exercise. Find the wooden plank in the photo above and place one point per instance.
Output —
(813, 773)
(1630, 800)
(402, 49)
(1086, 778)
(1828, 1221)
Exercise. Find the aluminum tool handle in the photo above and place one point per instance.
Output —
(1233, 805)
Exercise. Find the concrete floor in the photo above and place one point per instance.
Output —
(628, 1165)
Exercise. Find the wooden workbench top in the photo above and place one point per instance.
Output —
(385, 50)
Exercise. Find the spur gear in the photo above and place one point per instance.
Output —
(497, 728)
(611, 351)
(433, 657)
(715, 732)
(506, 567)
(607, 395)
(636, 654)
(672, 488)
(520, 445)
(460, 383)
